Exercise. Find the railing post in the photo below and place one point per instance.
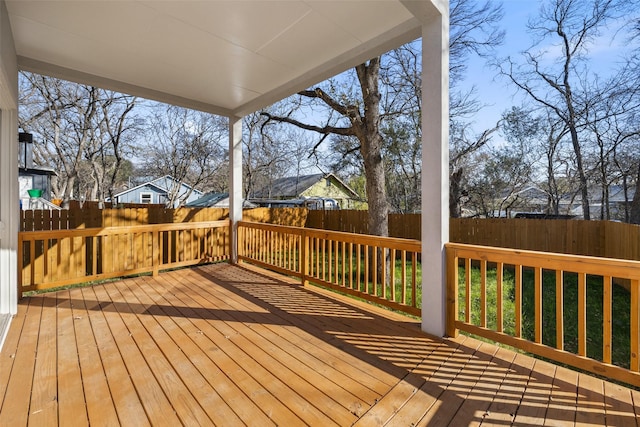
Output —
(241, 250)
(635, 325)
(155, 252)
(452, 292)
(304, 259)
(20, 265)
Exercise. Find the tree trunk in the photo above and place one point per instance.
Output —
(455, 193)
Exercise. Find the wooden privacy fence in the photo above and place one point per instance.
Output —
(593, 238)
(377, 269)
(76, 218)
(68, 219)
(578, 237)
(53, 258)
(563, 307)
(404, 226)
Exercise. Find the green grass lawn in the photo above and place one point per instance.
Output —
(620, 316)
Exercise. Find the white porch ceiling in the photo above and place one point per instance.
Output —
(228, 57)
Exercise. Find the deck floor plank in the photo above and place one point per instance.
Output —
(458, 384)
(160, 328)
(535, 401)
(561, 410)
(304, 398)
(322, 315)
(123, 394)
(71, 399)
(481, 396)
(184, 404)
(43, 408)
(619, 406)
(230, 359)
(346, 391)
(415, 386)
(590, 402)
(157, 406)
(245, 411)
(99, 406)
(9, 349)
(15, 405)
(234, 345)
(505, 404)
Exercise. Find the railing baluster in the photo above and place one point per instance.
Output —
(607, 301)
(559, 310)
(537, 303)
(374, 269)
(582, 314)
(499, 289)
(366, 269)
(403, 296)
(467, 292)
(483, 293)
(392, 275)
(414, 279)
(518, 300)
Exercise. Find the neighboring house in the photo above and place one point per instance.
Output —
(216, 200)
(31, 177)
(157, 191)
(617, 201)
(319, 185)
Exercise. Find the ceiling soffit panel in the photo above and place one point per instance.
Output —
(227, 57)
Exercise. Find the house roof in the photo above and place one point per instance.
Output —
(158, 184)
(225, 57)
(216, 199)
(294, 186)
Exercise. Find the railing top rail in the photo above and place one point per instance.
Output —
(105, 231)
(275, 227)
(363, 239)
(623, 269)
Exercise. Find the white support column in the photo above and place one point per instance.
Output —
(435, 168)
(9, 202)
(235, 182)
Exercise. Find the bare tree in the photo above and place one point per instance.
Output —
(360, 119)
(553, 80)
(185, 144)
(82, 129)
(271, 151)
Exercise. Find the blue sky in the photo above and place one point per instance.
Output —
(500, 94)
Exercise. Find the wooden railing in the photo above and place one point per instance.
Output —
(54, 258)
(577, 310)
(377, 269)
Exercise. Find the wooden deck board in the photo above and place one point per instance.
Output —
(43, 409)
(71, 397)
(230, 345)
(156, 405)
(231, 360)
(15, 408)
(280, 340)
(206, 403)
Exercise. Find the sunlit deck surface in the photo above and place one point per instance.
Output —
(232, 345)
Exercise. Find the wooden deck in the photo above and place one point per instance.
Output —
(228, 345)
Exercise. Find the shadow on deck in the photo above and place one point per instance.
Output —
(235, 345)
